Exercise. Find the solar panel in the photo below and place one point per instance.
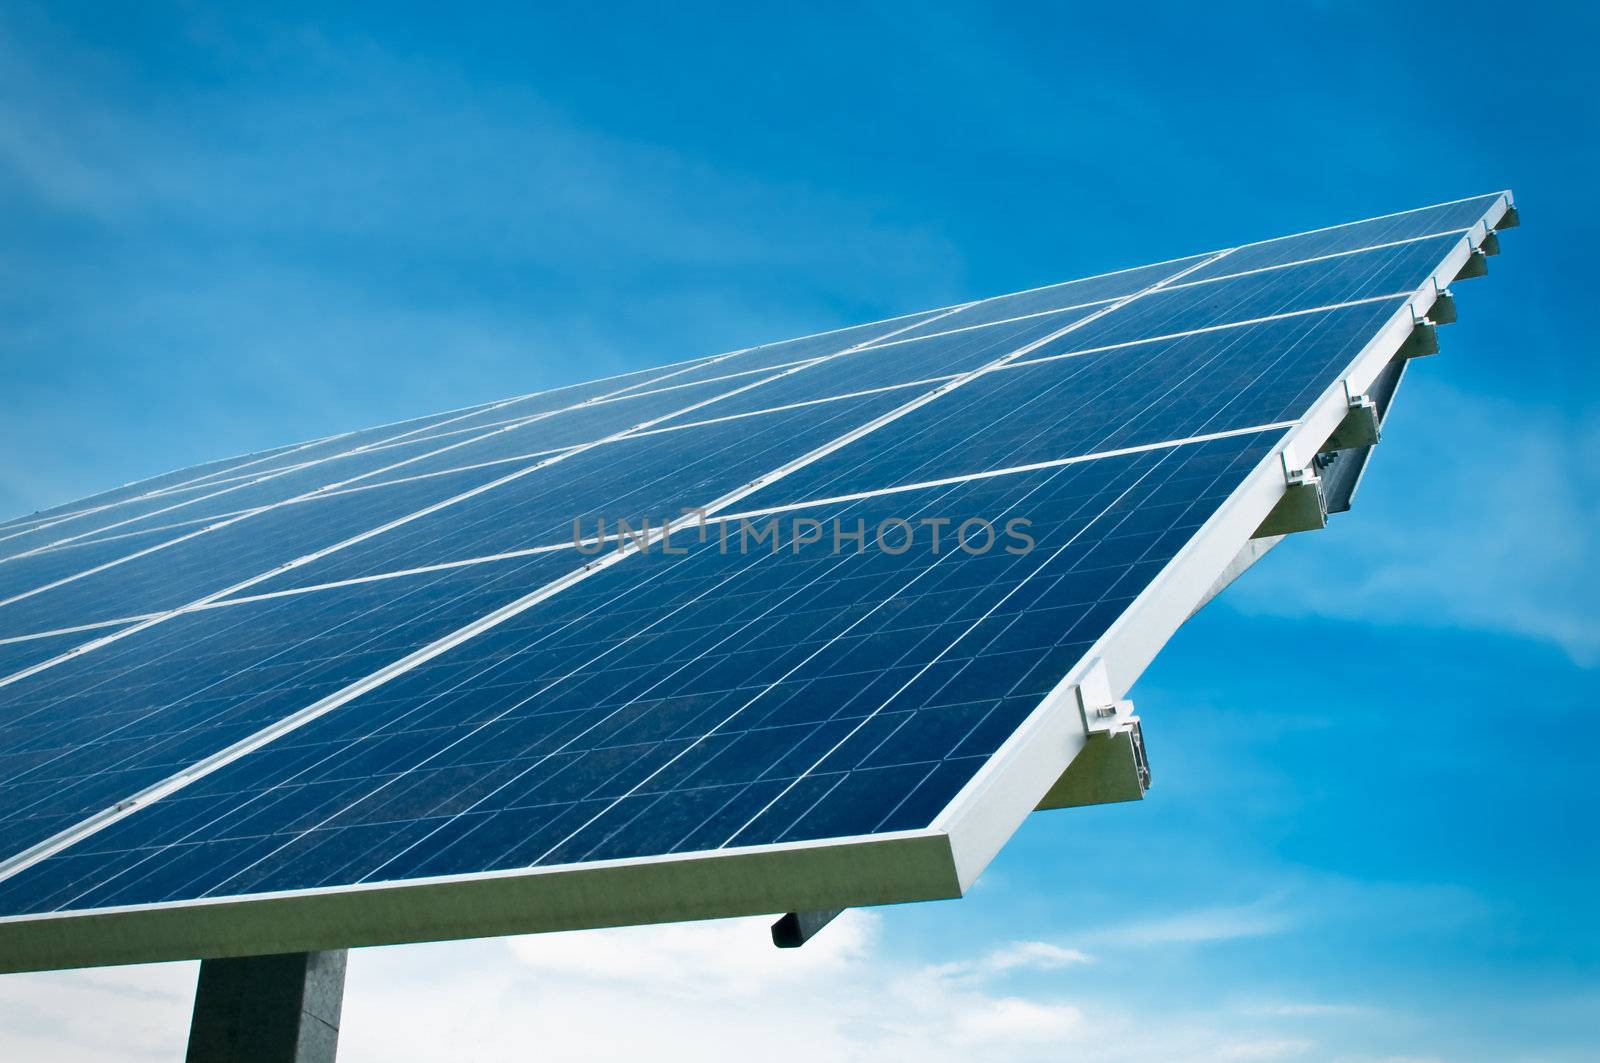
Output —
(808, 625)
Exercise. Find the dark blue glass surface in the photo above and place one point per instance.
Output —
(78, 737)
(20, 574)
(1085, 404)
(1449, 217)
(897, 362)
(798, 350)
(1090, 290)
(686, 703)
(166, 481)
(1305, 286)
(193, 567)
(15, 656)
(651, 478)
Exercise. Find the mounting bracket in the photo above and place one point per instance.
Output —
(1477, 265)
(1423, 341)
(1360, 427)
(1302, 507)
(1443, 310)
(1112, 765)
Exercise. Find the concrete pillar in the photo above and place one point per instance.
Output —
(268, 1009)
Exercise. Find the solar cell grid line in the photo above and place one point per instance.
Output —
(109, 497)
(1085, 403)
(911, 807)
(296, 492)
(593, 541)
(641, 476)
(1331, 256)
(1445, 217)
(16, 654)
(382, 554)
(343, 543)
(784, 590)
(890, 363)
(1085, 292)
(736, 411)
(827, 752)
(158, 790)
(232, 466)
(1330, 282)
(95, 730)
(1314, 245)
(655, 471)
(804, 348)
(419, 425)
(406, 461)
(716, 392)
(389, 440)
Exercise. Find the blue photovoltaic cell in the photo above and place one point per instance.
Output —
(15, 656)
(652, 478)
(416, 457)
(563, 398)
(1429, 221)
(534, 512)
(685, 703)
(20, 574)
(155, 483)
(200, 565)
(895, 363)
(712, 697)
(1090, 293)
(1257, 295)
(791, 351)
(82, 735)
(1085, 404)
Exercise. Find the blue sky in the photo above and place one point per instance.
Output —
(1371, 836)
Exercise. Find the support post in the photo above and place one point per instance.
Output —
(268, 1009)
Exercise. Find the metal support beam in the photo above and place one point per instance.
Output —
(1509, 220)
(1342, 466)
(268, 1009)
(797, 928)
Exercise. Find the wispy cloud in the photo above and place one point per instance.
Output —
(1199, 926)
(1479, 513)
(217, 265)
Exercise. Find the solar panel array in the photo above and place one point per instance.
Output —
(427, 654)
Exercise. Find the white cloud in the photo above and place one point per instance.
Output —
(1033, 955)
(709, 991)
(1310, 1010)
(110, 1015)
(705, 992)
(1201, 925)
(1262, 1051)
